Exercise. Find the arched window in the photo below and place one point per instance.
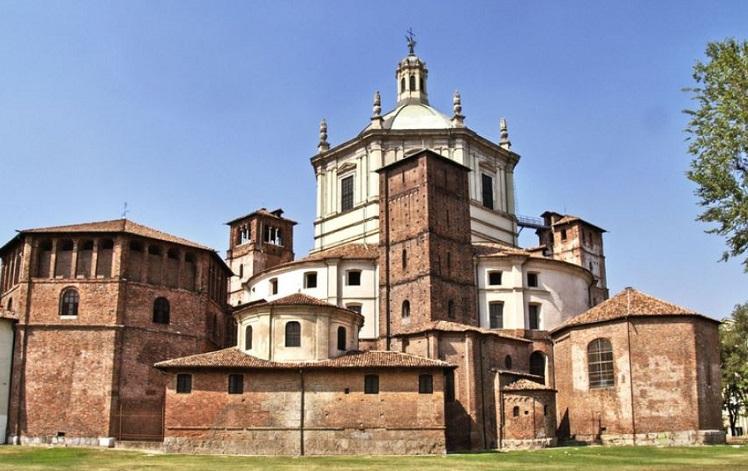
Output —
(248, 338)
(406, 309)
(412, 82)
(508, 362)
(293, 334)
(161, 311)
(451, 309)
(341, 338)
(69, 302)
(402, 84)
(600, 363)
(537, 364)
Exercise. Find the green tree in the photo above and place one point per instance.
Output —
(718, 141)
(733, 334)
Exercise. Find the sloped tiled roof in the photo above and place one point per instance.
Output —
(118, 225)
(487, 249)
(447, 326)
(347, 251)
(299, 299)
(629, 302)
(234, 358)
(526, 385)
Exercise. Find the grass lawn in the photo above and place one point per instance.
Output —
(588, 458)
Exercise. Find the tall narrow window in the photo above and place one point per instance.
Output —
(10, 304)
(508, 362)
(236, 384)
(402, 84)
(341, 338)
(293, 334)
(346, 193)
(563, 234)
(310, 279)
(425, 384)
(405, 259)
(449, 263)
(412, 82)
(405, 312)
(496, 315)
(534, 316)
(371, 384)
(184, 383)
(600, 364)
(537, 364)
(451, 309)
(487, 190)
(241, 271)
(69, 302)
(248, 338)
(449, 385)
(161, 311)
(274, 286)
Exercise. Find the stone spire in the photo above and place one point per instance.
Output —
(504, 135)
(458, 119)
(323, 144)
(376, 112)
(411, 75)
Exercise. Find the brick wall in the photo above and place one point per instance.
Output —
(338, 417)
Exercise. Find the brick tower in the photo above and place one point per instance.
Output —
(258, 241)
(574, 240)
(425, 256)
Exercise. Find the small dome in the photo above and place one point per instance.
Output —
(414, 116)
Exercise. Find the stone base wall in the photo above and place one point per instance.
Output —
(670, 438)
(380, 441)
(528, 444)
(106, 442)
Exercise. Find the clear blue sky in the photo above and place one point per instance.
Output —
(197, 112)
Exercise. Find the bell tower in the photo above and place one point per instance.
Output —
(257, 241)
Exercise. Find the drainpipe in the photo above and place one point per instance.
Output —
(631, 370)
(387, 311)
(24, 348)
(482, 393)
(301, 415)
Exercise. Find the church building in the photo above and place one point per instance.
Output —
(416, 324)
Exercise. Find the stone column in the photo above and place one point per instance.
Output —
(74, 258)
(53, 259)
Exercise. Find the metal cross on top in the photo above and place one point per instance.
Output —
(410, 36)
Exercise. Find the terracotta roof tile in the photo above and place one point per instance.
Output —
(348, 251)
(487, 249)
(299, 299)
(234, 358)
(448, 326)
(118, 225)
(526, 385)
(629, 302)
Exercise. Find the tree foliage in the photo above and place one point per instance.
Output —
(718, 142)
(734, 359)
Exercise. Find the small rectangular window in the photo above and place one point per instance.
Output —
(371, 384)
(346, 193)
(184, 383)
(354, 278)
(274, 286)
(487, 190)
(310, 279)
(354, 307)
(496, 315)
(494, 278)
(534, 316)
(236, 384)
(425, 384)
(532, 280)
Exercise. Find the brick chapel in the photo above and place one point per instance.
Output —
(416, 325)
